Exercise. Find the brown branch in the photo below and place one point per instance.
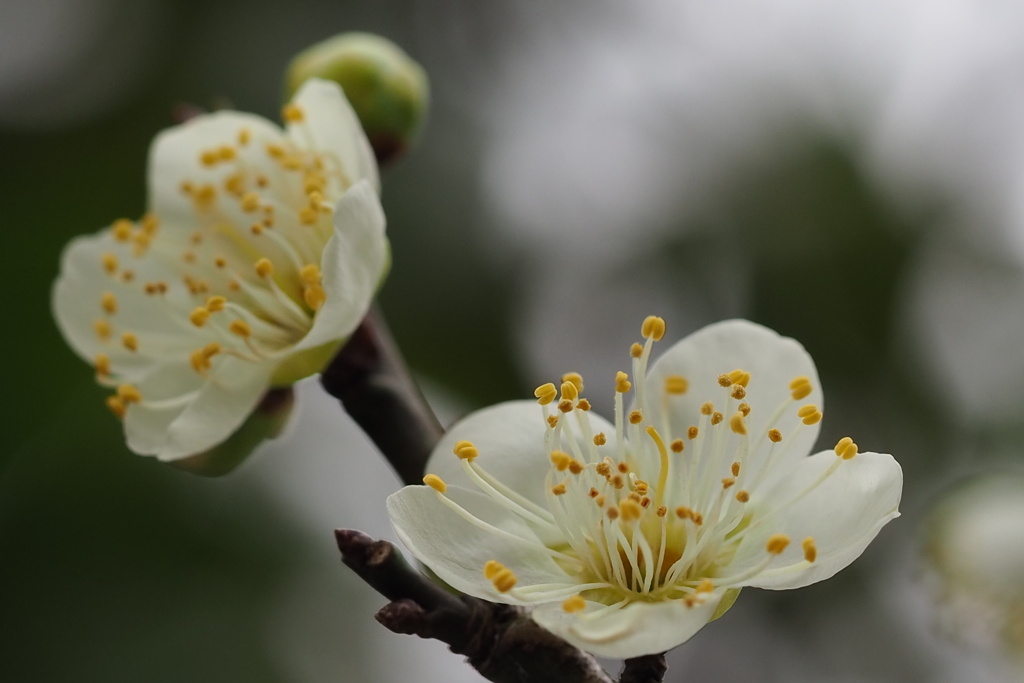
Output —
(499, 641)
(648, 669)
(370, 378)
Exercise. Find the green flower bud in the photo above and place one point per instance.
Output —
(388, 90)
(266, 422)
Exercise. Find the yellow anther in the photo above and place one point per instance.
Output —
(220, 262)
(264, 268)
(313, 182)
(743, 496)
(235, 184)
(707, 408)
(593, 493)
(677, 446)
(565, 405)
(308, 215)
(109, 263)
(843, 444)
(575, 467)
(244, 136)
(109, 302)
(736, 423)
(583, 404)
(314, 296)
(204, 195)
(292, 113)
(740, 377)
(102, 363)
(156, 288)
(233, 285)
(504, 580)
(149, 223)
(777, 543)
(200, 363)
(310, 274)
(676, 384)
(226, 152)
(292, 162)
(574, 604)
(724, 380)
(848, 450)
(130, 341)
(623, 467)
(122, 229)
(558, 489)
(799, 381)
(645, 502)
(653, 328)
(256, 228)
(692, 432)
(435, 482)
(735, 469)
(240, 327)
(697, 518)
(813, 418)
(728, 482)
(800, 388)
(636, 350)
(705, 586)
(774, 435)
(491, 569)
(745, 409)
(216, 303)
(716, 418)
(127, 275)
(552, 421)
(576, 379)
(807, 410)
(683, 512)
(569, 391)
(102, 328)
(603, 469)
(199, 316)
(250, 202)
(662, 511)
(635, 417)
(117, 406)
(738, 392)
(599, 501)
(128, 394)
(211, 349)
(545, 393)
(466, 451)
(617, 481)
(622, 383)
(275, 151)
(561, 460)
(810, 549)
(209, 157)
(600, 439)
(631, 510)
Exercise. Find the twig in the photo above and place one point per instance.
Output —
(649, 669)
(372, 382)
(499, 641)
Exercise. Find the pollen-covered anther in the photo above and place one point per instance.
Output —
(743, 496)
(576, 467)
(600, 439)
(677, 446)
(264, 268)
(583, 404)
(552, 421)
(565, 405)
(576, 379)
(561, 460)
(127, 276)
(558, 489)
(613, 513)
(593, 493)
(631, 510)
(846, 448)
(216, 303)
(116, 406)
(240, 328)
(308, 215)
(314, 296)
(692, 432)
(466, 450)
(728, 482)
(128, 393)
(130, 341)
(199, 361)
(636, 350)
(108, 302)
(622, 383)
(603, 469)
(707, 408)
(777, 543)
(569, 391)
(724, 380)
(800, 388)
(250, 202)
(504, 581)
(745, 409)
(573, 604)
(736, 423)
(635, 417)
(102, 363)
(122, 229)
(292, 113)
(809, 414)
(735, 469)
(705, 586)
(623, 467)
(774, 435)
(617, 481)
(545, 393)
(653, 328)
(435, 482)
(740, 377)
(102, 328)
(738, 392)
(810, 549)
(199, 316)
(676, 385)
(109, 262)
(716, 418)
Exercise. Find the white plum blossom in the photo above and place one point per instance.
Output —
(261, 252)
(626, 538)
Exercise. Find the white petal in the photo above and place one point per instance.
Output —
(354, 261)
(843, 515)
(457, 550)
(772, 361)
(641, 628)
(221, 405)
(510, 439)
(331, 126)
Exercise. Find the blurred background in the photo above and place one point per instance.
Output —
(848, 173)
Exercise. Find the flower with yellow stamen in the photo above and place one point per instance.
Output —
(577, 525)
(152, 297)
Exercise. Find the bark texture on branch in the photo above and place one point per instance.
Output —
(649, 669)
